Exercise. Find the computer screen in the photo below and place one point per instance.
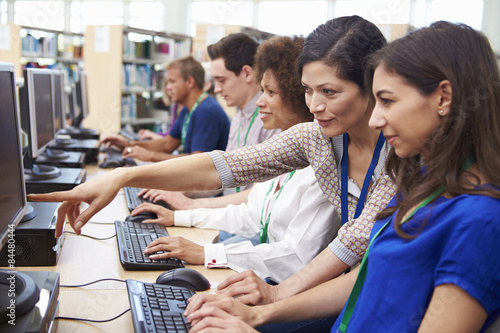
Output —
(37, 113)
(82, 101)
(58, 99)
(13, 203)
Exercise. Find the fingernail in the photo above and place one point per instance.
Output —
(78, 225)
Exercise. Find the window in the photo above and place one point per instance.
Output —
(223, 12)
(40, 14)
(146, 15)
(95, 13)
(291, 17)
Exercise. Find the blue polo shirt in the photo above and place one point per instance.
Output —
(208, 127)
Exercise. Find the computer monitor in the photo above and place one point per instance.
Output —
(37, 121)
(13, 203)
(82, 101)
(58, 99)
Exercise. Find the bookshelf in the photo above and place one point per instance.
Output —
(125, 71)
(54, 49)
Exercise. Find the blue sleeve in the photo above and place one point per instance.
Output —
(176, 129)
(210, 128)
(471, 258)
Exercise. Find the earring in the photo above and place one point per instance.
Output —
(441, 112)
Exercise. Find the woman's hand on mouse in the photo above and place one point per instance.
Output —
(248, 288)
(98, 193)
(165, 216)
(206, 311)
(177, 247)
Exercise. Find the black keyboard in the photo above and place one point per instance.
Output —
(114, 154)
(133, 238)
(130, 135)
(133, 200)
(157, 307)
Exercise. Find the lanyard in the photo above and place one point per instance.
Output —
(187, 119)
(360, 280)
(255, 113)
(263, 226)
(344, 202)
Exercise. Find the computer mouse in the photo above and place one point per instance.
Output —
(141, 217)
(184, 277)
(109, 163)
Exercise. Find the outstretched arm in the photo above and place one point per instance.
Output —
(194, 172)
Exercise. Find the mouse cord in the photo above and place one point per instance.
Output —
(92, 320)
(88, 236)
(89, 283)
(95, 222)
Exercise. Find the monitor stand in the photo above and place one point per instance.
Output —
(16, 283)
(36, 303)
(55, 154)
(61, 158)
(68, 179)
(41, 172)
(80, 132)
(30, 213)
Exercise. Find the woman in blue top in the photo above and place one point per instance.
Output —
(433, 264)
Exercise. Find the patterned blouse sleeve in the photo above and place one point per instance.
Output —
(353, 237)
(279, 154)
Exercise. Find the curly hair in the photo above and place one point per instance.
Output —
(279, 55)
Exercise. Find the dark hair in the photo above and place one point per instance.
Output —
(237, 50)
(188, 66)
(463, 56)
(279, 55)
(344, 42)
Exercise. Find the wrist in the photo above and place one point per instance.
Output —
(260, 315)
(276, 294)
(120, 176)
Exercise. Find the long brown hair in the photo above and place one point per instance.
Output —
(424, 58)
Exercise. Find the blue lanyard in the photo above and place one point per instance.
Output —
(344, 202)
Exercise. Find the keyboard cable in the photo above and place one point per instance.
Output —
(86, 319)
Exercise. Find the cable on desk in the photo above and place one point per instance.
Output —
(88, 236)
(89, 283)
(97, 222)
(93, 320)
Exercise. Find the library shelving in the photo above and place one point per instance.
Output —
(125, 72)
(53, 49)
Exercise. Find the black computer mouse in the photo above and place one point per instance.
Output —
(141, 217)
(110, 164)
(184, 277)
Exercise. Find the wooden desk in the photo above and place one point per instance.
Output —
(84, 260)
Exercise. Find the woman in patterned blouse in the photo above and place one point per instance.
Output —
(332, 68)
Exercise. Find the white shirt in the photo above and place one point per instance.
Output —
(301, 225)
